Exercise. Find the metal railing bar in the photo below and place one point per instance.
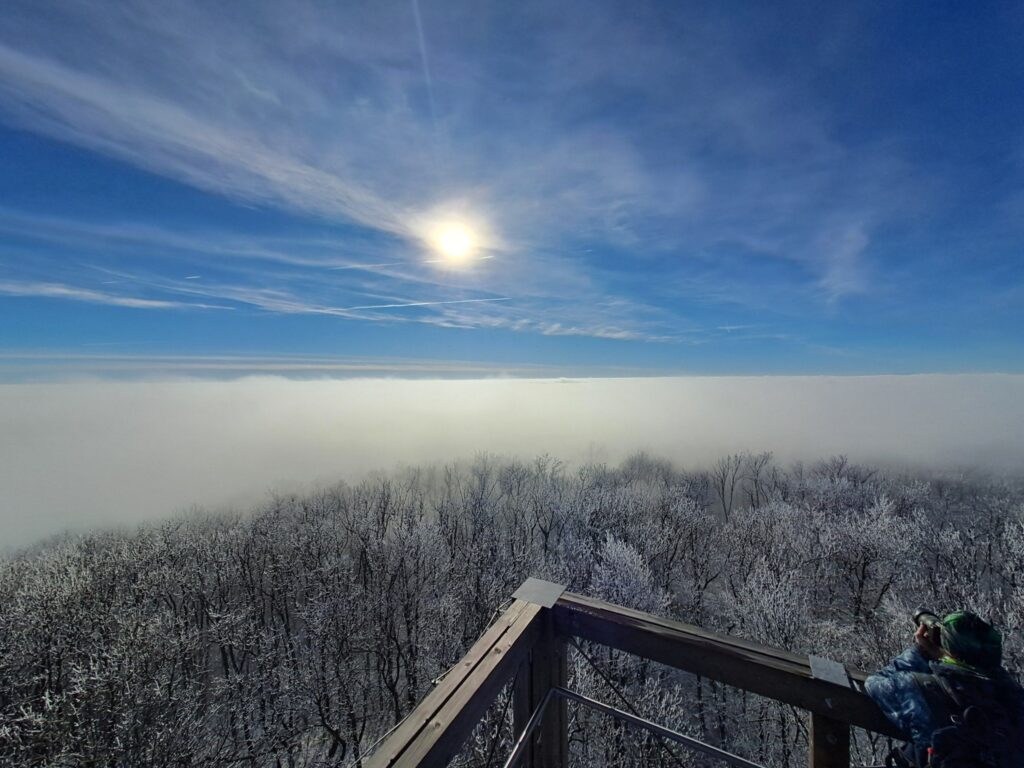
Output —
(688, 741)
(531, 725)
(614, 688)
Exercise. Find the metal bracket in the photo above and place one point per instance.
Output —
(828, 670)
(539, 592)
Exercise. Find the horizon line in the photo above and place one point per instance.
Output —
(65, 367)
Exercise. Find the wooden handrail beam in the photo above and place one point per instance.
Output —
(760, 669)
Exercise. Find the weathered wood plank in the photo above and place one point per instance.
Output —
(444, 729)
(389, 752)
(766, 671)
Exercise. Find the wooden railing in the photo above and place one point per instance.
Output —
(527, 645)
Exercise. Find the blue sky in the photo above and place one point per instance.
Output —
(679, 187)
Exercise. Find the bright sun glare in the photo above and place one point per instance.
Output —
(455, 243)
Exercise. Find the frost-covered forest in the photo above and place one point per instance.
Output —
(299, 633)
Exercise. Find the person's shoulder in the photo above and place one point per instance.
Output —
(896, 684)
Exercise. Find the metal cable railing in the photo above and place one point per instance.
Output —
(689, 742)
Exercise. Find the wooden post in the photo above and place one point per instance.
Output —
(829, 744)
(545, 668)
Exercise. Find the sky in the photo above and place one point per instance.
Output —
(268, 244)
(477, 188)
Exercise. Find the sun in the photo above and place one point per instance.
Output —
(455, 243)
(454, 236)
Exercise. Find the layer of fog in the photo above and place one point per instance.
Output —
(78, 455)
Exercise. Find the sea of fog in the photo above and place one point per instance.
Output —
(83, 454)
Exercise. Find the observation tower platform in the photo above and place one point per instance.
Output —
(527, 646)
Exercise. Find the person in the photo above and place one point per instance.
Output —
(950, 696)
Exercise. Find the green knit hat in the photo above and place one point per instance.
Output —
(970, 639)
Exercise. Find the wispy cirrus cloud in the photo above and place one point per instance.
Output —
(59, 291)
(160, 135)
(299, 275)
(582, 164)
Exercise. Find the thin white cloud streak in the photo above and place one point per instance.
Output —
(844, 274)
(123, 237)
(59, 291)
(426, 61)
(78, 455)
(423, 304)
(369, 266)
(284, 302)
(49, 367)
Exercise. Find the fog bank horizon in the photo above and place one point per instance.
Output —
(77, 455)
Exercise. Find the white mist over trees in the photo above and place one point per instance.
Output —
(80, 454)
(298, 634)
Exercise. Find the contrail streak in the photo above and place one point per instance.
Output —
(446, 260)
(369, 266)
(400, 263)
(423, 56)
(426, 76)
(422, 304)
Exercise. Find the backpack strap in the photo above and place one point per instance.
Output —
(950, 691)
(942, 700)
